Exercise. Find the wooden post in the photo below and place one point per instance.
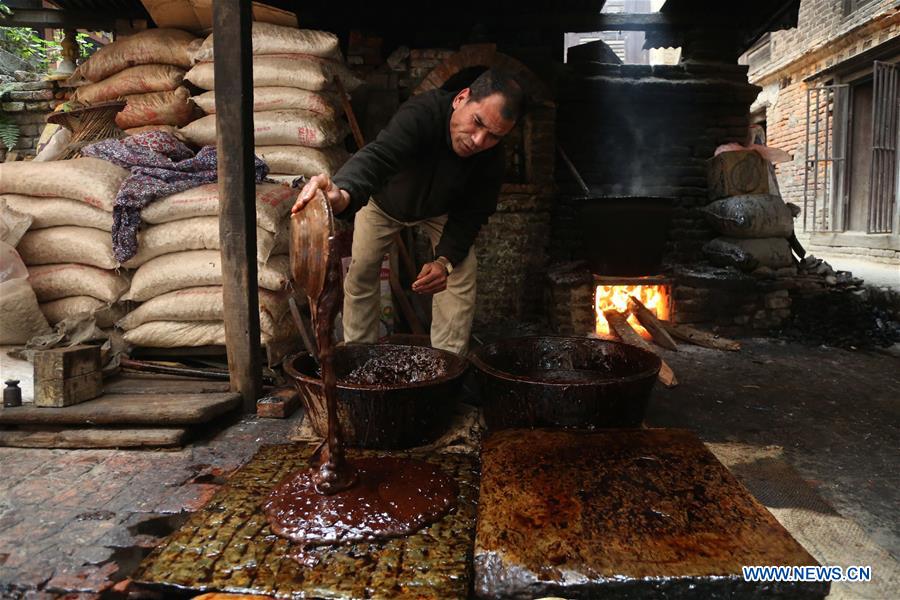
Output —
(237, 193)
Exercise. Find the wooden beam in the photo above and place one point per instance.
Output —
(41, 18)
(237, 216)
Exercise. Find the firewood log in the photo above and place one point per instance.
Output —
(651, 324)
(701, 338)
(619, 324)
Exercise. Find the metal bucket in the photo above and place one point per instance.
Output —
(387, 416)
(564, 382)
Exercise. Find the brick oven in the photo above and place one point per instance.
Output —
(650, 131)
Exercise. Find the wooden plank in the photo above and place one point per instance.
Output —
(133, 383)
(700, 337)
(651, 324)
(128, 409)
(62, 19)
(237, 217)
(93, 438)
(640, 513)
(280, 404)
(620, 326)
(228, 546)
(59, 363)
(57, 393)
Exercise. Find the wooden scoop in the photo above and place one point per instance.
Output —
(311, 231)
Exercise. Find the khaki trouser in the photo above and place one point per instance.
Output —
(451, 310)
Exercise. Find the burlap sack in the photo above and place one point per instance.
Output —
(20, 316)
(300, 160)
(134, 80)
(196, 268)
(68, 244)
(151, 46)
(757, 216)
(281, 98)
(747, 255)
(276, 39)
(291, 180)
(13, 223)
(167, 128)
(185, 334)
(273, 203)
(203, 304)
(105, 315)
(284, 70)
(157, 108)
(53, 212)
(276, 127)
(197, 233)
(90, 180)
(52, 282)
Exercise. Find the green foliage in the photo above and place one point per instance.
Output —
(27, 44)
(9, 132)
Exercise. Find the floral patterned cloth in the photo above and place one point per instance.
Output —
(160, 166)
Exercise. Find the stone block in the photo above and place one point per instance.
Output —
(13, 106)
(34, 85)
(777, 302)
(781, 313)
(31, 95)
(38, 106)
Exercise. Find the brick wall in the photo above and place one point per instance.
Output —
(824, 37)
(822, 22)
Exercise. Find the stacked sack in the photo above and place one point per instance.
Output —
(297, 126)
(146, 70)
(20, 315)
(753, 221)
(179, 273)
(68, 247)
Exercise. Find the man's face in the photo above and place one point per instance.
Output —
(476, 126)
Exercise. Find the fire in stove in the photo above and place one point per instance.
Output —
(613, 293)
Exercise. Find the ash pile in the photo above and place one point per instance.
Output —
(847, 314)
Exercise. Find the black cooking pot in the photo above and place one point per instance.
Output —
(555, 381)
(625, 235)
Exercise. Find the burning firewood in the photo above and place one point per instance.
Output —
(651, 324)
(619, 324)
(701, 338)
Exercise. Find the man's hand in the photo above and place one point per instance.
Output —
(431, 280)
(339, 199)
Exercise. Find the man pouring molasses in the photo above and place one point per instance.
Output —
(438, 164)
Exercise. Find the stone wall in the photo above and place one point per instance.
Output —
(27, 105)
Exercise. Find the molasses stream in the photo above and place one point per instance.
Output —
(345, 501)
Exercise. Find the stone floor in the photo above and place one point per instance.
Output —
(77, 522)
